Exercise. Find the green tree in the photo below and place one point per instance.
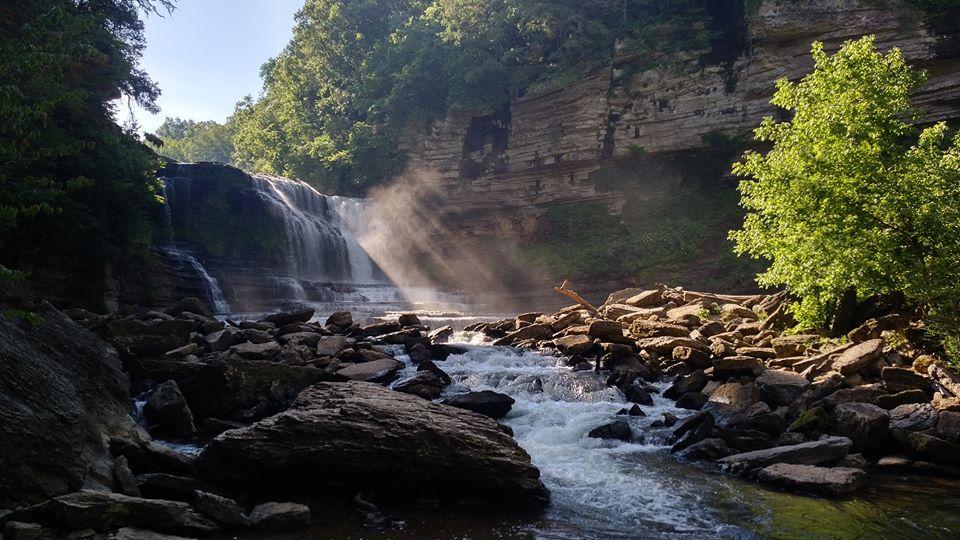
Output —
(190, 141)
(853, 196)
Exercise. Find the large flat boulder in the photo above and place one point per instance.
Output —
(62, 395)
(828, 481)
(808, 453)
(357, 436)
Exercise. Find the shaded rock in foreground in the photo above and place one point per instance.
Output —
(486, 402)
(356, 436)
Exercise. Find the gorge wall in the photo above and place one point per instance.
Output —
(650, 130)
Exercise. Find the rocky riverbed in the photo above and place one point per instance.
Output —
(644, 414)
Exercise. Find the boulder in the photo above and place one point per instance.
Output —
(891, 401)
(280, 517)
(691, 431)
(408, 319)
(933, 448)
(635, 410)
(897, 379)
(827, 481)
(619, 430)
(380, 328)
(666, 345)
(808, 453)
(913, 417)
(222, 510)
(693, 401)
(123, 478)
(103, 511)
(486, 402)
(340, 319)
(167, 412)
(608, 331)
(636, 392)
(864, 424)
(62, 395)
(306, 339)
(693, 358)
(533, 331)
(812, 420)
(190, 304)
(736, 395)
(780, 387)
(710, 449)
(331, 345)
(858, 357)
(649, 329)
(358, 436)
(645, 299)
(256, 351)
(168, 486)
(859, 394)
(425, 384)
(694, 382)
(948, 426)
(735, 366)
(793, 345)
(223, 339)
(379, 371)
(151, 457)
(574, 344)
(290, 317)
(441, 352)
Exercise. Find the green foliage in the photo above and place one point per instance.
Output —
(853, 196)
(189, 141)
(74, 187)
(359, 72)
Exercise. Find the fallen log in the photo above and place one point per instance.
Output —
(562, 289)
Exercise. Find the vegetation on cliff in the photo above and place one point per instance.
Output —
(852, 199)
(189, 141)
(357, 73)
(75, 188)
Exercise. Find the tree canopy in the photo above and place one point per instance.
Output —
(191, 141)
(852, 196)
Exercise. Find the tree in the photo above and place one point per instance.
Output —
(853, 197)
(190, 141)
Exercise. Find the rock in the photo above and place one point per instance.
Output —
(666, 345)
(331, 345)
(440, 352)
(123, 477)
(710, 449)
(380, 328)
(574, 344)
(650, 329)
(692, 430)
(857, 461)
(379, 371)
(859, 394)
(948, 426)
(150, 457)
(913, 417)
(401, 337)
(892, 401)
(809, 453)
(256, 336)
(440, 334)
(102, 511)
(280, 517)
(425, 384)
(306, 339)
(619, 430)
(864, 424)
(340, 319)
(738, 396)
(186, 350)
(256, 351)
(222, 510)
(645, 299)
(223, 339)
(827, 481)
(858, 357)
(764, 353)
(793, 345)
(780, 387)
(358, 436)
(692, 401)
(735, 366)
(62, 395)
(190, 304)
(873, 328)
(933, 448)
(131, 533)
(290, 317)
(485, 402)
(632, 411)
(431, 367)
(168, 486)
(812, 420)
(693, 358)
(211, 427)
(223, 388)
(636, 393)
(418, 353)
(408, 319)
(896, 379)
(533, 331)
(167, 412)
(694, 382)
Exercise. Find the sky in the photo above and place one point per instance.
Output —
(207, 54)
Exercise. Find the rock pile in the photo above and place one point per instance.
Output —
(797, 411)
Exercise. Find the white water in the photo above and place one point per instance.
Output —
(599, 489)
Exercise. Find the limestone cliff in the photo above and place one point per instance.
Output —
(656, 121)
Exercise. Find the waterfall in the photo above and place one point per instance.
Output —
(183, 258)
(353, 220)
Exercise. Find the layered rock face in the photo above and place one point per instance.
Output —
(499, 171)
(62, 395)
(360, 434)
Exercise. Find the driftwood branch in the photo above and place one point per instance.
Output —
(562, 289)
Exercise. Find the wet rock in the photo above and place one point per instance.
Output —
(359, 436)
(486, 402)
(637, 393)
(131, 533)
(291, 317)
(211, 427)
(692, 430)
(892, 401)
(933, 448)
(440, 334)
(864, 424)
(780, 387)
(340, 319)
(167, 412)
(710, 449)
(408, 319)
(418, 353)
(221, 509)
(401, 337)
(533, 331)
(858, 357)
(808, 453)
(109, 511)
(619, 430)
(827, 481)
(380, 328)
(897, 379)
(440, 352)
(150, 457)
(381, 371)
(574, 344)
(425, 384)
(280, 517)
(632, 411)
(433, 368)
(694, 382)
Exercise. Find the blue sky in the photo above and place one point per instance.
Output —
(207, 54)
